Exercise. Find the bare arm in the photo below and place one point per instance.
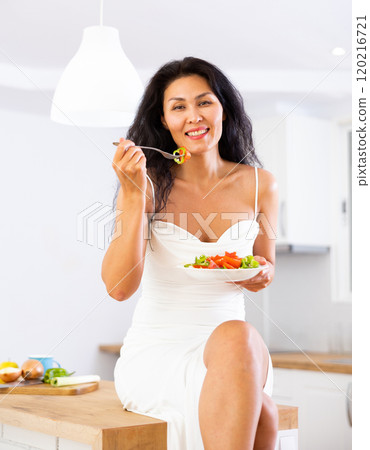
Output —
(123, 262)
(264, 245)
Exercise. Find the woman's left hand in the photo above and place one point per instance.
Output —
(261, 280)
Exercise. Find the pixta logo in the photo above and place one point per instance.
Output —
(95, 224)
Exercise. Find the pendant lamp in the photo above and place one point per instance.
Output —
(99, 87)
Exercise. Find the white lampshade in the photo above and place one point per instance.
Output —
(99, 87)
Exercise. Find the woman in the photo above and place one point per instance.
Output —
(190, 358)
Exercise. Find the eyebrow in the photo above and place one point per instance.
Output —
(196, 98)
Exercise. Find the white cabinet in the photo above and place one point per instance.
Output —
(287, 440)
(322, 402)
(297, 150)
(16, 438)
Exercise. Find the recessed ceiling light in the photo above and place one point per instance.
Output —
(338, 51)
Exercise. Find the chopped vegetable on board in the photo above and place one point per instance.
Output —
(56, 372)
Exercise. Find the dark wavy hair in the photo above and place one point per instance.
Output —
(236, 142)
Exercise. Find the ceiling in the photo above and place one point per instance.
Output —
(258, 41)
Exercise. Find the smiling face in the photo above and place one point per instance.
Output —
(193, 114)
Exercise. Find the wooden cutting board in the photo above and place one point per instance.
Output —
(46, 389)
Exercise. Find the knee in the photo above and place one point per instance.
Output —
(237, 330)
(242, 337)
(234, 339)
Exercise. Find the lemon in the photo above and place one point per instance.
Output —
(5, 364)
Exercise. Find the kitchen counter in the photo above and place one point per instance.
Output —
(96, 419)
(111, 348)
(327, 362)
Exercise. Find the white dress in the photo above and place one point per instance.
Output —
(160, 370)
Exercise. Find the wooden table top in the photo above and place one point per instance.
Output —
(84, 417)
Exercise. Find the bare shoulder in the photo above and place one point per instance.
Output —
(267, 185)
(266, 181)
(267, 191)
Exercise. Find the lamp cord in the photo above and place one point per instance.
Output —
(101, 12)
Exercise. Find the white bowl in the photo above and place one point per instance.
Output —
(222, 274)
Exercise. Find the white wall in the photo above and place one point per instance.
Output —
(52, 296)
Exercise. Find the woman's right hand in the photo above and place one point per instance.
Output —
(129, 163)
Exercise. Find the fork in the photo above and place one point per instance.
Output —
(162, 152)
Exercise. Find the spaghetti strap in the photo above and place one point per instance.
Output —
(152, 217)
(255, 201)
(153, 196)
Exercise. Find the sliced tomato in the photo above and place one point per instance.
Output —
(236, 263)
(230, 261)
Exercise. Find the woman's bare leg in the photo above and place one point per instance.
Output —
(231, 399)
(267, 428)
